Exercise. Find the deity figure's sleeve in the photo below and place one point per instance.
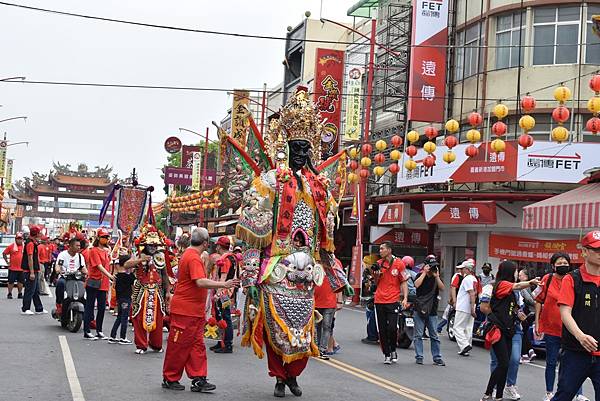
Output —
(255, 225)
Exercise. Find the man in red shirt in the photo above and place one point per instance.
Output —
(30, 264)
(390, 277)
(185, 345)
(579, 311)
(13, 254)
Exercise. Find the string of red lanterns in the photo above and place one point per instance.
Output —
(593, 124)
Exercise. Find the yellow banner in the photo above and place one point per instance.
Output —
(353, 105)
(196, 171)
(239, 116)
(9, 170)
(2, 157)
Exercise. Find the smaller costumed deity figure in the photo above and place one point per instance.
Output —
(149, 290)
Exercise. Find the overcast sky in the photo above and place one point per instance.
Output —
(126, 128)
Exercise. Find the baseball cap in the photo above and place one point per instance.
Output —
(223, 241)
(237, 249)
(33, 231)
(591, 240)
(467, 264)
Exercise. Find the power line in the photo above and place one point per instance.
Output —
(259, 91)
(265, 37)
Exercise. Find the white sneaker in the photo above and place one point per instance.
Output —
(27, 312)
(548, 396)
(43, 312)
(511, 393)
(387, 360)
(581, 397)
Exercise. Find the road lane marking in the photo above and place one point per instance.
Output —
(378, 381)
(70, 369)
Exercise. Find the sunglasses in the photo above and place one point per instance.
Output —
(105, 236)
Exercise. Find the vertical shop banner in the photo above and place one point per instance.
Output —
(427, 84)
(196, 171)
(355, 274)
(353, 105)
(3, 145)
(239, 116)
(329, 77)
(187, 155)
(9, 171)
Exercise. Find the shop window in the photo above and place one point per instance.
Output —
(509, 29)
(555, 31)
(592, 47)
(467, 50)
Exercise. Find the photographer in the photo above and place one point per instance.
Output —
(368, 292)
(390, 278)
(428, 285)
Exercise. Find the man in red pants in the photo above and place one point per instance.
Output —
(185, 346)
(151, 285)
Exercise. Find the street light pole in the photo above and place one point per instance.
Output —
(362, 189)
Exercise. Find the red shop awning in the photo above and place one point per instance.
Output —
(578, 208)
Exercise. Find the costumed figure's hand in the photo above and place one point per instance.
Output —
(232, 283)
(348, 291)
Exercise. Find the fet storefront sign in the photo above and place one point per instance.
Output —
(394, 213)
(460, 212)
(553, 162)
(531, 249)
(427, 85)
(399, 236)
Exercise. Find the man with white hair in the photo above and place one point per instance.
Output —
(465, 308)
(185, 345)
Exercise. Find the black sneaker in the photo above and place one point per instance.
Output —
(323, 356)
(9, 296)
(294, 387)
(100, 336)
(367, 340)
(279, 388)
(113, 340)
(20, 296)
(439, 362)
(226, 350)
(419, 361)
(465, 351)
(172, 385)
(394, 357)
(215, 347)
(200, 385)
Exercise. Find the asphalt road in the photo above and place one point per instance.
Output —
(33, 368)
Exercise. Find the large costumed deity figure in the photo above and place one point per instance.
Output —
(287, 216)
(149, 289)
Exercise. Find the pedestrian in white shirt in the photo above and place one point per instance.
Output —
(465, 309)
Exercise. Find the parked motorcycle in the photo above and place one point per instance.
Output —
(406, 328)
(73, 303)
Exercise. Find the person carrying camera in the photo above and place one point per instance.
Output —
(428, 285)
(390, 277)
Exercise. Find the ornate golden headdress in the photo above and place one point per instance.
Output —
(299, 119)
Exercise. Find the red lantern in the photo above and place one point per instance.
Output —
(431, 132)
(471, 151)
(528, 103)
(525, 141)
(353, 165)
(593, 125)
(429, 161)
(499, 128)
(411, 151)
(475, 119)
(394, 168)
(367, 149)
(364, 173)
(595, 83)
(561, 114)
(450, 141)
(379, 158)
(396, 141)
